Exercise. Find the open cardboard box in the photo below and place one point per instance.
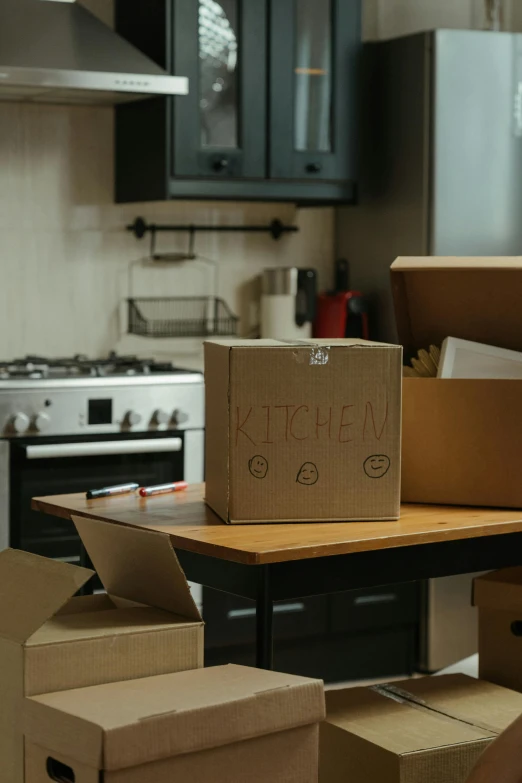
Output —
(461, 438)
(147, 624)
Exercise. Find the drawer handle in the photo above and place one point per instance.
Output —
(60, 772)
(289, 608)
(313, 168)
(516, 628)
(104, 448)
(381, 598)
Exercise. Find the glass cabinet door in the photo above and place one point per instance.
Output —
(219, 129)
(313, 54)
(314, 48)
(218, 34)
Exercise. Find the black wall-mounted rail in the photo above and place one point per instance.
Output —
(276, 228)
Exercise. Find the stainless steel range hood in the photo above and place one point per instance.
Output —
(55, 51)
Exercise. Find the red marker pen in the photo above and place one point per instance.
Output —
(162, 489)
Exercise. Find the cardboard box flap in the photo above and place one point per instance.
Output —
(499, 590)
(159, 717)
(407, 718)
(139, 565)
(33, 589)
(475, 298)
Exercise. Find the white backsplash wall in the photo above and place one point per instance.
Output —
(66, 261)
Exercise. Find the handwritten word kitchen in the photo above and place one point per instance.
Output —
(261, 424)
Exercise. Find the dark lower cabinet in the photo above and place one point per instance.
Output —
(270, 113)
(363, 634)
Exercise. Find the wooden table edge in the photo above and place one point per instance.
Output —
(186, 544)
(314, 551)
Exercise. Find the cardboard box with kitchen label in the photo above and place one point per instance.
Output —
(146, 625)
(461, 437)
(307, 431)
(431, 729)
(216, 725)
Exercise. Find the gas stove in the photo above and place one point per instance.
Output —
(79, 366)
(83, 396)
(73, 424)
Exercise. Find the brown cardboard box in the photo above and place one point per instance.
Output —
(461, 438)
(306, 431)
(431, 729)
(49, 641)
(498, 596)
(220, 725)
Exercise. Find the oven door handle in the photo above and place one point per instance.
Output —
(104, 448)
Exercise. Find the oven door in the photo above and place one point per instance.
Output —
(54, 466)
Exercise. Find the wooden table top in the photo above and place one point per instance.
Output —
(194, 527)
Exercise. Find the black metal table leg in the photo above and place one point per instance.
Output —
(264, 621)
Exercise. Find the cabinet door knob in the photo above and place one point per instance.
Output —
(221, 164)
(313, 168)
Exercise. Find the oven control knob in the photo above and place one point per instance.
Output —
(132, 419)
(180, 417)
(160, 417)
(19, 423)
(41, 422)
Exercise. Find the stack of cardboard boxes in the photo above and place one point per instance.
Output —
(100, 687)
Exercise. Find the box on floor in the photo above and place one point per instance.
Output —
(50, 641)
(431, 729)
(461, 438)
(498, 596)
(307, 431)
(217, 725)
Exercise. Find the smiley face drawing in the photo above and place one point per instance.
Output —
(377, 466)
(308, 474)
(258, 466)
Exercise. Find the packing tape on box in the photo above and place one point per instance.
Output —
(319, 354)
(404, 697)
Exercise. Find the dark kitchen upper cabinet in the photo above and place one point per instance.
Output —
(271, 108)
(220, 127)
(314, 50)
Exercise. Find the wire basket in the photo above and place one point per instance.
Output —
(183, 316)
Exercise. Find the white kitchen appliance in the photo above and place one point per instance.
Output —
(70, 425)
(288, 302)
